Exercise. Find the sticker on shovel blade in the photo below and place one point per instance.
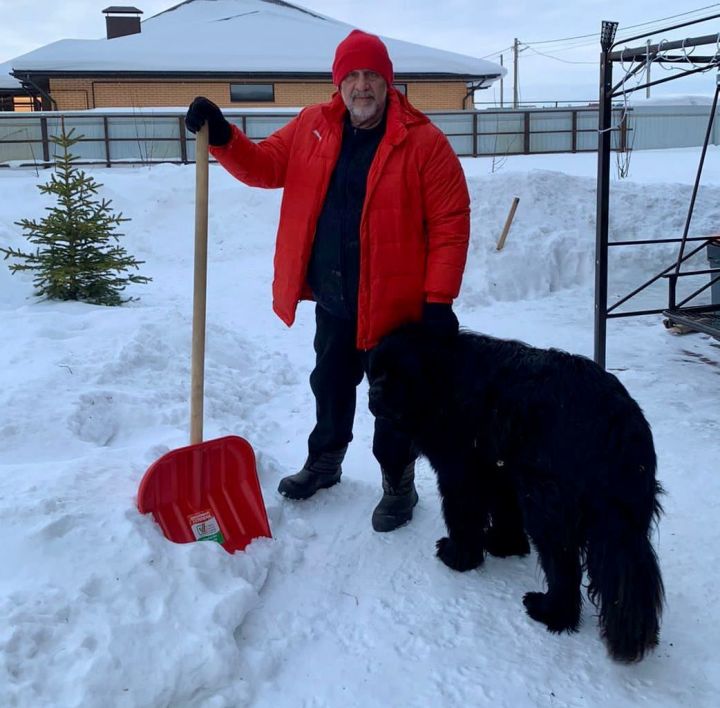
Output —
(205, 527)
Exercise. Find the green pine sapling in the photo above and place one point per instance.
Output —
(77, 254)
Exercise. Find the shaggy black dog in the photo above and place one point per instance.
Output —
(535, 441)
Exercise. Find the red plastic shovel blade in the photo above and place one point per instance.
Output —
(208, 491)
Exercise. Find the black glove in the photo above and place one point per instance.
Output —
(202, 110)
(439, 319)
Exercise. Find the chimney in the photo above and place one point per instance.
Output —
(122, 21)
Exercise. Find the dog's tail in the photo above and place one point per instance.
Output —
(625, 582)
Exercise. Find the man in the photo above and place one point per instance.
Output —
(374, 227)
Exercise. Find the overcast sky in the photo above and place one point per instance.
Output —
(547, 71)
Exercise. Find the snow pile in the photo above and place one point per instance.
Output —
(551, 244)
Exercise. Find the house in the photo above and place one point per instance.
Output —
(238, 53)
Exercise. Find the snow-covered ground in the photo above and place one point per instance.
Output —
(98, 609)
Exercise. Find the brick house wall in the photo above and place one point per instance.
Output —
(83, 93)
(438, 96)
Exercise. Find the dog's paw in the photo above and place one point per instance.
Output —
(556, 619)
(458, 557)
(503, 545)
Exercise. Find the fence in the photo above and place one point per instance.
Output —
(159, 135)
(658, 127)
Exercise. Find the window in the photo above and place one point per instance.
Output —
(401, 88)
(247, 93)
(23, 104)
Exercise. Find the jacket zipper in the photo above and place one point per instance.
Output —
(376, 166)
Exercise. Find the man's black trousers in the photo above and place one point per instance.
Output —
(339, 368)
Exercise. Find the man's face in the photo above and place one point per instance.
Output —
(364, 93)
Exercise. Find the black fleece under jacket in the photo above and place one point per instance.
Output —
(334, 268)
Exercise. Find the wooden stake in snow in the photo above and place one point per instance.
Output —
(508, 222)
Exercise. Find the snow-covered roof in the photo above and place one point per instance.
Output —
(7, 81)
(236, 36)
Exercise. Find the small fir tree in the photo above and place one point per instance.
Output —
(77, 255)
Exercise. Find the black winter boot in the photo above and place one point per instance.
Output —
(319, 472)
(399, 497)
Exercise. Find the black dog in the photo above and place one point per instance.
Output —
(535, 441)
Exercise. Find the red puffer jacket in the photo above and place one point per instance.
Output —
(415, 224)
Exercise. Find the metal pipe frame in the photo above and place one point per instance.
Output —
(649, 241)
(603, 192)
(635, 53)
(607, 93)
(668, 78)
(663, 274)
(698, 175)
(707, 286)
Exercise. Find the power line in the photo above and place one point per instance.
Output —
(566, 39)
(580, 45)
(564, 61)
(671, 17)
(594, 36)
(629, 27)
(494, 54)
(571, 43)
(569, 47)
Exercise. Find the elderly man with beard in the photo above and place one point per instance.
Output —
(374, 227)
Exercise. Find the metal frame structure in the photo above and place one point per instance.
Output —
(635, 60)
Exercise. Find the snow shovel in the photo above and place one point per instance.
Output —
(207, 491)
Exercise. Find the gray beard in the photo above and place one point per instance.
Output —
(362, 114)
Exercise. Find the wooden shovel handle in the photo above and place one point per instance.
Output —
(199, 287)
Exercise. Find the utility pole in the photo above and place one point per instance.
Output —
(649, 64)
(502, 63)
(515, 72)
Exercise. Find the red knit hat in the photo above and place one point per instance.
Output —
(360, 50)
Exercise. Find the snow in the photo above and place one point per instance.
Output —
(237, 36)
(99, 609)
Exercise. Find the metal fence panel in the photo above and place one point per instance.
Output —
(159, 135)
(587, 125)
(21, 152)
(459, 130)
(26, 128)
(501, 122)
(551, 142)
(656, 127)
(494, 144)
(152, 140)
(160, 127)
(89, 129)
(552, 121)
(550, 131)
(140, 150)
(21, 140)
(461, 144)
(259, 127)
(453, 123)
